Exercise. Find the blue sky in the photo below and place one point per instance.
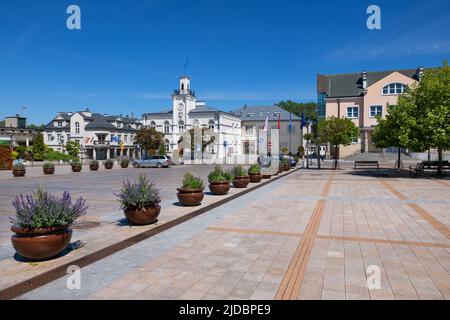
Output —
(129, 54)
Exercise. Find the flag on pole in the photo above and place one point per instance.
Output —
(279, 120)
(303, 121)
(266, 124)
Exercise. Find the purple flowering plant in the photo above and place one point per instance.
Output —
(44, 210)
(139, 194)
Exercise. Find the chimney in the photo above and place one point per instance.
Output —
(364, 79)
(419, 74)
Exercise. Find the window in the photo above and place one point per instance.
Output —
(376, 111)
(353, 112)
(166, 127)
(355, 140)
(59, 137)
(49, 137)
(153, 125)
(249, 129)
(167, 146)
(77, 127)
(211, 124)
(181, 126)
(125, 137)
(59, 124)
(196, 124)
(394, 88)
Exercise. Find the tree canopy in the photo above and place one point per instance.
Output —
(39, 148)
(297, 108)
(73, 148)
(149, 139)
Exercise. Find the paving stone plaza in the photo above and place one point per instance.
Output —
(307, 235)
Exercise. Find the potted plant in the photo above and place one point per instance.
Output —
(19, 169)
(286, 164)
(219, 181)
(191, 192)
(93, 165)
(255, 173)
(109, 164)
(76, 165)
(140, 201)
(124, 163)
(240, 177)
(48, 168)
(42, 224)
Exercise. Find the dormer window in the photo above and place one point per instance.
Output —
(77, 127)
(394, 89)
(59, 124)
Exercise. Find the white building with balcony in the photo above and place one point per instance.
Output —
(100, 136)
(186, 113)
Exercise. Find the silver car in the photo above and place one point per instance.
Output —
(153, 162)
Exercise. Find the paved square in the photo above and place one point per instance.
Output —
(309, 235)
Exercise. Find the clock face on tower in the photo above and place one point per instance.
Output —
(180, 107)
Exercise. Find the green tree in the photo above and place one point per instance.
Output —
(427, 105)
(40, 127)
(2, 123)
(162, 150)
(73, 148)
(150, 139)
(297, 108)
(393, 131)
(337, 131)
(39, 148)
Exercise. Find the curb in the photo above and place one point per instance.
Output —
(40, 280)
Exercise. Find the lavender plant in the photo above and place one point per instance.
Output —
(139, 194)
(44, 210)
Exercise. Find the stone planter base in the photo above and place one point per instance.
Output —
(18, 173)
(241, 182)
(219, 188)
(255, 178)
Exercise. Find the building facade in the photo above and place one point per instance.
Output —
(15, 132)
(362, 97)
(187, 113)
(253, 119)
(100, 136)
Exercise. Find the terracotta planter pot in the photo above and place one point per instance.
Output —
(49, 170)
(109, 166)
(266, 176)
(76, 168)
(286, 168)
(190, 197)
(219, 188)
(147, 215)
(42, 243)
(18, 173)
(93, 167)
(124, 165)
(241, 182)
(255, 178)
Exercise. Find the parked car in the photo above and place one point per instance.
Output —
(154, 161)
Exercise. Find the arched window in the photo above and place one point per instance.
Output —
(394, 88)
(166, 127)
(182, 86)
(180, 126)
(211, 124)
(77, 127)
(153, 125)
(196, 123)
(167, 146)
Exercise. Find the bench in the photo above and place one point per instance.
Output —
(367, 164)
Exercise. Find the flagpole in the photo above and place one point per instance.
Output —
(290, 132)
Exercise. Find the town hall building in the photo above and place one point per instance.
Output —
(187, 113)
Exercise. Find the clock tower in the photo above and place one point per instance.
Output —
(183, 101)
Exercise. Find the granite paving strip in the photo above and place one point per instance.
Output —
(291, 283)
(442, 228)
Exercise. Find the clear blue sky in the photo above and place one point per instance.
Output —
(129, 54)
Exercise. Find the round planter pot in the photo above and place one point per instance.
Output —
(124, 165)
(190, 197)
(143, 216)
(49, 170)
(42, 243)
(255, 178)
(266, 176)
(219, 188)
(286, 168)
(241, 182)
(18, 173)
(93, 167)
(108, 166)
(76, 168)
